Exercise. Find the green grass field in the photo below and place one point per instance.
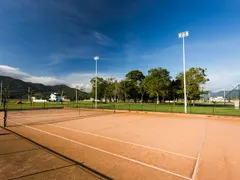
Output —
(164, 107)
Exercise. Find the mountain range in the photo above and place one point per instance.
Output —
(19, 89)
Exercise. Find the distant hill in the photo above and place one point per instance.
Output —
(19, 89)
(228, 94)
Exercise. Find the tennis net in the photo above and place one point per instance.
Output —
(49, 116)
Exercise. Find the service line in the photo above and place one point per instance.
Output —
(126, 142)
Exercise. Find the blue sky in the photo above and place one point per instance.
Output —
(54, 41)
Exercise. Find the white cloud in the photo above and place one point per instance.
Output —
(18, 74)
(223, 78)
(103, 39)
(72, 80)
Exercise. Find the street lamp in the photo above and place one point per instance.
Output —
(183, 35)
(96, 58)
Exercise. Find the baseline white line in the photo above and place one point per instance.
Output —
(113, 154)
(126, 142)
(199, 154)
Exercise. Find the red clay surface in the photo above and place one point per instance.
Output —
(135, 146)
(23, 160)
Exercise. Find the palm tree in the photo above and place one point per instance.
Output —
(63, 93)
(6, 95)
(30, 94)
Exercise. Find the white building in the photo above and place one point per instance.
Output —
(38, 100)
(56, 97)
(217, 99)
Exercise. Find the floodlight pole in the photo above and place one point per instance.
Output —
(183, 35)
(96, 58)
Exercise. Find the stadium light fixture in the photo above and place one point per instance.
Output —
(96, 58)
(183, 35)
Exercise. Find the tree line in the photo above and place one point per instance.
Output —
(156, 86)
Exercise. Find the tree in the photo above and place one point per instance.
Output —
(122, 90)
(142, 89)
(158, 82)
(136, 89)
(38, 95)
(195, 79)
(101, 87)
(128, 90)
(135, 75)
(175, 87)
(110, 89)
(63, 93)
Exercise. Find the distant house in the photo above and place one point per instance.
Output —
(217, 99)
(55, 97)
(38, 100)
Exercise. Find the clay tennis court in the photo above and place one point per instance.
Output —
(126, 145)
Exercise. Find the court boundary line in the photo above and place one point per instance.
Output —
(122, 141)
(107, 152)
(199, 154)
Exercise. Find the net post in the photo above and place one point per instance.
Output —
(5, 117)
(213, 107)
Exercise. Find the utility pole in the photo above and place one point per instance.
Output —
(224, 97)
(1, 94)
(239, 92)
(76, 94)
(209, 97)
(28, 94)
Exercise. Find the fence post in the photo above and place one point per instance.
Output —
(213, 107)
(21, 103)
(190, 108)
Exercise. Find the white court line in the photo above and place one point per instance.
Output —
(126, 142)
(199, 154)
(116, 155)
